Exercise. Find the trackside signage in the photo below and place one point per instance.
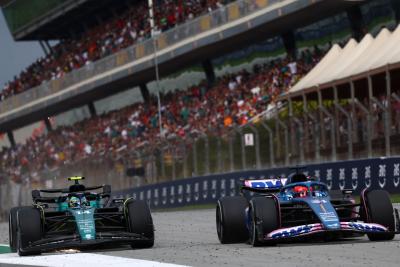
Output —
(378, 173)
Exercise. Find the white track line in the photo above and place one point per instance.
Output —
(77, 259)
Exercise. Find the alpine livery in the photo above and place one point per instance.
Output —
(272, 210)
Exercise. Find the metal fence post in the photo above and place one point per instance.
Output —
(185, 158)
(369, 137)
(387, 124)
(285, 129)
(219, 155)
(257, 146)
(271, 143)
(207, 154)
(301, 139)
(242, 146)
(172, 150)
(162, 164)
(195, 170)
(349, 130)
(316, 127)
(332, 133)
(231, 153)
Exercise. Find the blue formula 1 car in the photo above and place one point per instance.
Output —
(299, 206)
(78, 217)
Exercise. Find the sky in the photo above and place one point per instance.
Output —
(14, 56)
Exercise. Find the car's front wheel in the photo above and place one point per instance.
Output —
(29, 230)
(139, 221)
(12, 229)
(264, 218)
(380, 211)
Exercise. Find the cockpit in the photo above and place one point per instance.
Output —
(77, 201)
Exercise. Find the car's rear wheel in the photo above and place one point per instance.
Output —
(380, 211)
(231, 220)
(29, 229)
(264, 218)
(139, 221)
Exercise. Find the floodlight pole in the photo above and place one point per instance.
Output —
(153, 35)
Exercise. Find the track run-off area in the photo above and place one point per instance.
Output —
(190, 238)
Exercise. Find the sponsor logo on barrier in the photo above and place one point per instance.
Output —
(214, 189)
(329, 178)
(367, 176)
(354, 178)
(196, 192)
(172, 195)
(156, 197)
(342, 178)
(205, 189)
(148, 196)
(180, 193)
(232, 187)
(396, 174)
(223, 188)
(382, 175)
(188, 193)
(317, 174)
(164, 195)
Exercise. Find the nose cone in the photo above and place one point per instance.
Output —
(324, 210)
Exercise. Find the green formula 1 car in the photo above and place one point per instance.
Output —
(79, 217)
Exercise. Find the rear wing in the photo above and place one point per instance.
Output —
(271, 185)
(38, 197)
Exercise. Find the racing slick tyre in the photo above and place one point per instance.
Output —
(139, 221)
(231, 220)
(380, 211)
(264, 218)
(29, 229)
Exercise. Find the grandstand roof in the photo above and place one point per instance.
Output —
(54, 20)
(353, 61)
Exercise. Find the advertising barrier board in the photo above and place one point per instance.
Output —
(377, 173)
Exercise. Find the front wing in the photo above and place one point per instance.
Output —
(316, 228)
(75, 241)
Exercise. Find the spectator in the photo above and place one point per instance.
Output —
(103, 40)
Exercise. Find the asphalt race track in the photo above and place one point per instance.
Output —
(189, 238)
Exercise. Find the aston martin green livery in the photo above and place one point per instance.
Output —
(76, 217)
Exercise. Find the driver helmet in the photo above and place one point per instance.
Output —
(85, 202)
(300, 190)
(74, 202)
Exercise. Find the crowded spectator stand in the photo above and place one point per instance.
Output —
(187, 114)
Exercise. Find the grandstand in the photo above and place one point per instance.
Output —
(108, 49)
